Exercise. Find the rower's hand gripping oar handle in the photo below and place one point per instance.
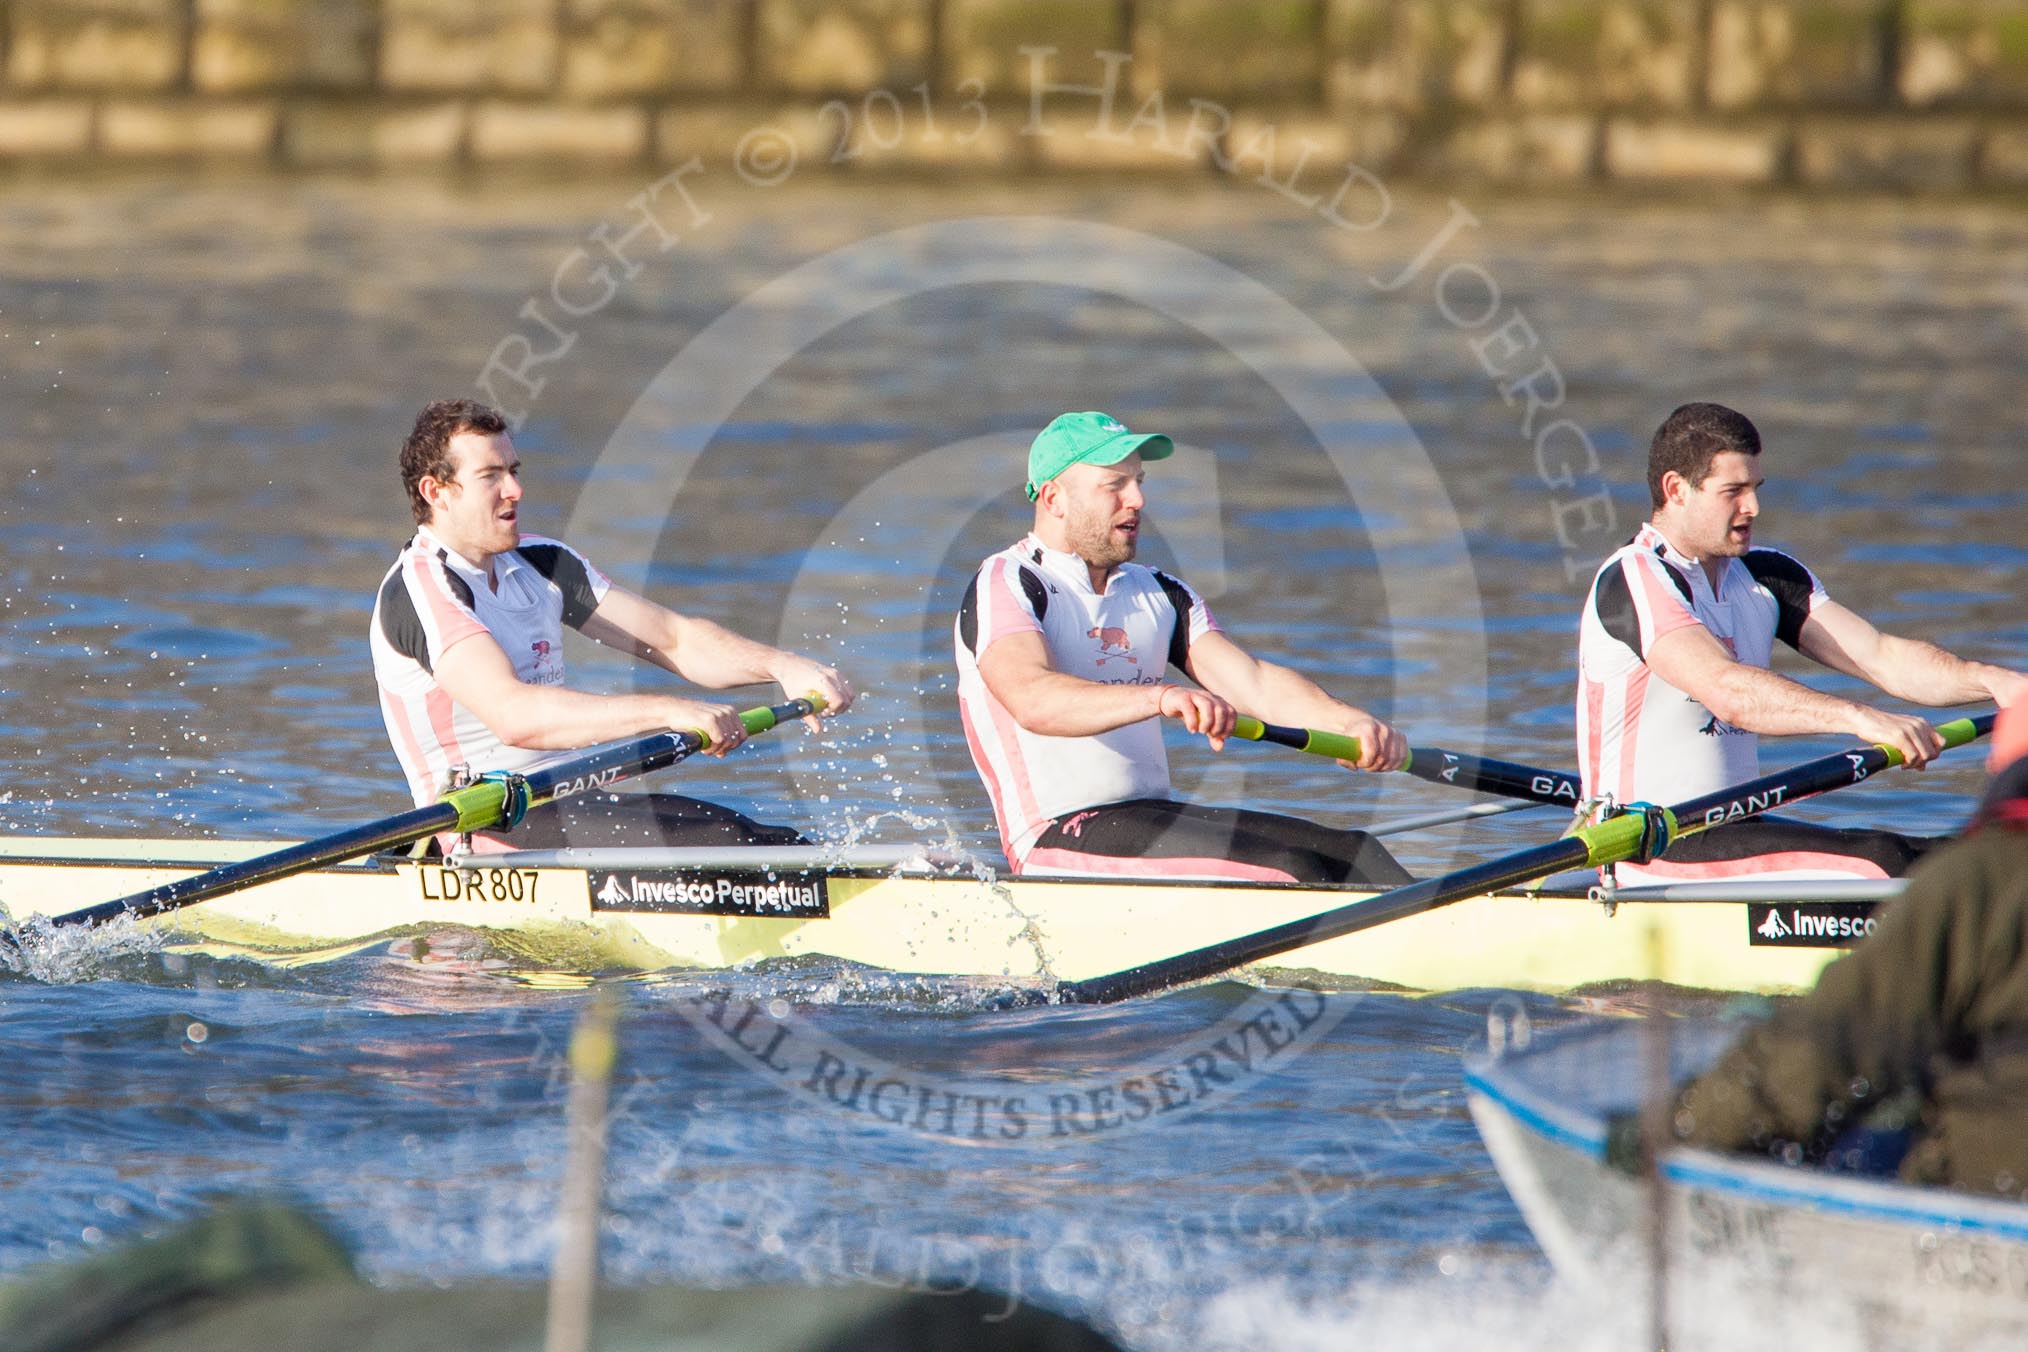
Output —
(1644, 831)
(1317, 742)
(760, 720)
(1955, 733)
(499, 799)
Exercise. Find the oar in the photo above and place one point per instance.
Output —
(474, 807)
(1433, 764)
(1646, 832)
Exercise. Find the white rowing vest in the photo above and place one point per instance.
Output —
(433, 599)
(1126, 634)
(1639, 738)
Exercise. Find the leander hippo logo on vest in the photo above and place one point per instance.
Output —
(1113, 645)
(547, 668)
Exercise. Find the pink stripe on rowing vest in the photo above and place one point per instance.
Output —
(1594, 721)
(409, 747)
(442, 716)
(1006, 610)
(1118, 866)
(1630, 728)
(452, 621)
(1009, 733)
(995, 790)
(1665, 609)
(1844, 865)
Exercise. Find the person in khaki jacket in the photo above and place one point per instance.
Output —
(1935, 1000)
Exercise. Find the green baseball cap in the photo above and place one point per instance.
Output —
(1088, 439)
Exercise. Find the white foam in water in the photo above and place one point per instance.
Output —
(60, 954)
(1518, 1312)
(1509, 1311)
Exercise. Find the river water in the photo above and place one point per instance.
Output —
(801, 410)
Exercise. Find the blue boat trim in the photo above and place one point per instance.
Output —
(1564, 1127)
(1850, 1197)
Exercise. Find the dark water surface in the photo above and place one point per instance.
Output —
(806, 418)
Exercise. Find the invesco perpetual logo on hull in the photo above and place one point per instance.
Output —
(1812, 924)
(883, 554)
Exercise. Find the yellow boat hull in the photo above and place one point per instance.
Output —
(1018, 929)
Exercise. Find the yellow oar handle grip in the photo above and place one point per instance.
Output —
(1955, 733)
(1333, 744)
(757, 721)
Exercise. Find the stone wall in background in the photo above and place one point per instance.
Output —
(1920, 94)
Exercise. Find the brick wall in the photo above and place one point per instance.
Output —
(1925, 94)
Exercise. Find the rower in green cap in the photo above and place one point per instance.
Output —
(1065, 651)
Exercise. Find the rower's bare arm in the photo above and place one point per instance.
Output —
(1758, 700)
(708, 653)
(477, 674)
(1906, 668)
(1052, 703)
(1277, 694)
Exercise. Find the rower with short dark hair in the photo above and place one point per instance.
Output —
(1674, 688)
(1065, 648)
(467, 641)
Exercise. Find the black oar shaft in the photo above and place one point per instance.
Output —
(1485, 775)
(392, 833)
(1476, 773)
(1809, 779)
(1350, 918)
(471, 808)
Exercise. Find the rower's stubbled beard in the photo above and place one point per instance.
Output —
(1094, 539)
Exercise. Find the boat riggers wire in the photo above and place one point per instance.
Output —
(481, 805)
(1643, 827)
(1434, 764)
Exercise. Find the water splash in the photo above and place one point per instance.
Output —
(66, 954)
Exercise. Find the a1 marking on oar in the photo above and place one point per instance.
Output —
(475, 807)
(1479, 773)
(1642, 832)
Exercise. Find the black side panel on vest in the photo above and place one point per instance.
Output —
(459, 587)
(968, 617)
(1614, 603)
(1682, 580)
(1038, 595)
(567, 571)
(1179, 637)
(1790, 583)
(400, 625)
